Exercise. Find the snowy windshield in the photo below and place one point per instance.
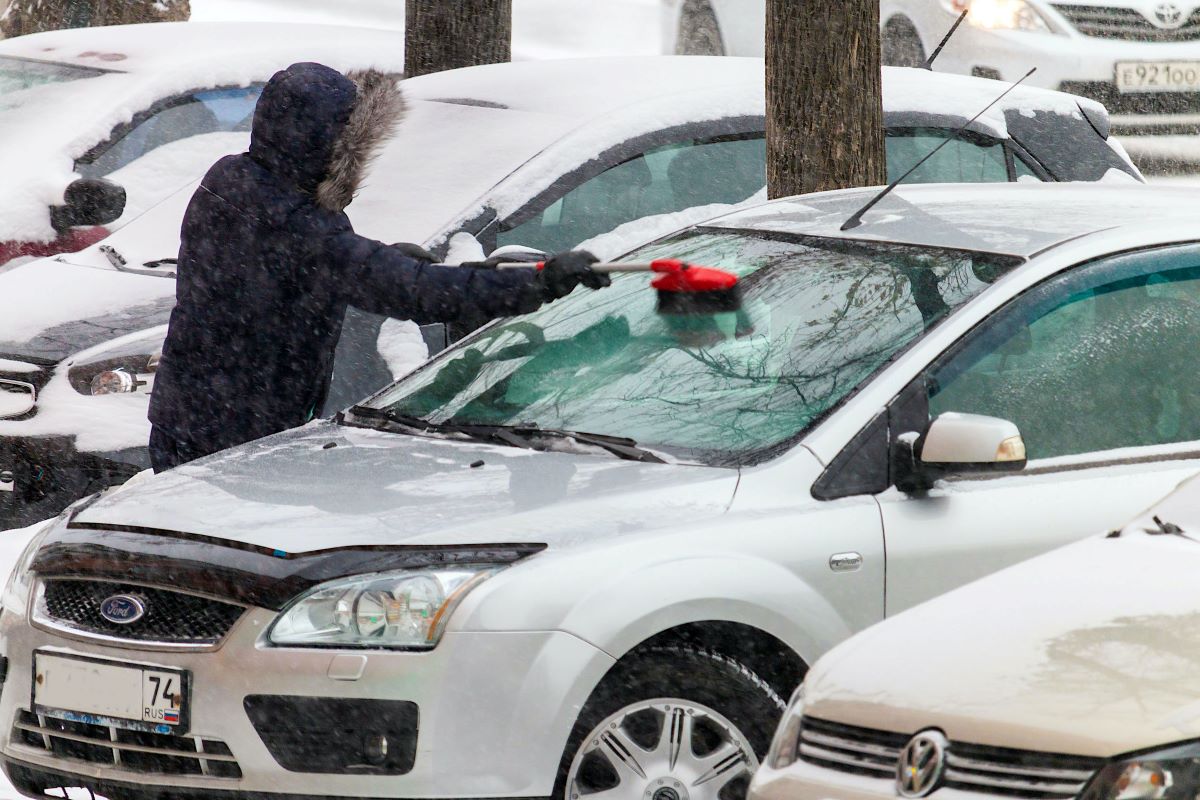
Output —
(20, 74)
(819, 316)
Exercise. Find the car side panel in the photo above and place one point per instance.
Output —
(766, 563)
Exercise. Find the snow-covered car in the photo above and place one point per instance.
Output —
(1138, 57)
(606, 153)
(588, 551)
(1070, 675)
(145, 107)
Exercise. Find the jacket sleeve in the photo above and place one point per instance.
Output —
(380, 279)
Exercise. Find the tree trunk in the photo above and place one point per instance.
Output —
(824, 96)
(34, 16)
(447, 34)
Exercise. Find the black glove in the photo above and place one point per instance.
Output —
(564, 271)
(415, 251)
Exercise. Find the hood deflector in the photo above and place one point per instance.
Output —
(235, 571)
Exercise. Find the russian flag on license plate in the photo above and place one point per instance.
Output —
(171, 717)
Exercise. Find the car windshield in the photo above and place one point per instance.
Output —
(20, 74)
(818, 317)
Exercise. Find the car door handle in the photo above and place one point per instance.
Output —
(845, 562)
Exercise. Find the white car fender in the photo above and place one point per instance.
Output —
(640, 588)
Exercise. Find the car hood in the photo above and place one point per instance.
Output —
(1089, 650)
(91, 305)
(328, 486)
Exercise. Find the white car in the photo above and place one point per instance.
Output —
(588, 551)
(1070, 675)
(146, 107)
(600, 153)
(1141, 58)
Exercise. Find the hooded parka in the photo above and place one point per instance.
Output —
(268, 262)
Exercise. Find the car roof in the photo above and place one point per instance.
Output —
(219, 48)
(1020, 219)
(535, 121)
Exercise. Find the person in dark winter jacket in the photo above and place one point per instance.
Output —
(268, 263)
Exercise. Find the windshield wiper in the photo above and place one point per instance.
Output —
(121, 264)
(389, 418)
(524, 435)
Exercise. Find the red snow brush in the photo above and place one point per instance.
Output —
(683, 289)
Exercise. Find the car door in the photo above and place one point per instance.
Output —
(1100, 369)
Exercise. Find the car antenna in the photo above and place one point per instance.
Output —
(937, 51)
(855, 219)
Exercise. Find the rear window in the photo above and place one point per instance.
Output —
(1068, 147)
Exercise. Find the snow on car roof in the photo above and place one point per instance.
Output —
(58, 122)
(496, 118)
(1012, 218)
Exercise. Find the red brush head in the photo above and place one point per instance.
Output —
(690, 289)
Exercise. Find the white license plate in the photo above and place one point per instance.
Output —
(1158, 76)
(110, 693)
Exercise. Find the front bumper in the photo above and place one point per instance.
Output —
(495, 711)
(40, 476)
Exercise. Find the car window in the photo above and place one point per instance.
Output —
(19, 74)
(212, 111)
(819, 317)
(663, 180)
(968, 159)
(1067, 146)
(1022, 171)
(1099, 362)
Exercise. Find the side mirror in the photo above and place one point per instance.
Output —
(957, 444)
(88, 201)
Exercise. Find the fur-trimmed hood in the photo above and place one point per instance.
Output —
(320, 129)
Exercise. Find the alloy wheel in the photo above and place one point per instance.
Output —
(662, 749)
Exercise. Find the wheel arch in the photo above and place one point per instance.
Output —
(764, 654)
(710, 601)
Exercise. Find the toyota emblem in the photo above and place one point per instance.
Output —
(123, 609)
(1168, 15)
(922, 762)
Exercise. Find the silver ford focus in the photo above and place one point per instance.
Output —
(588, 552)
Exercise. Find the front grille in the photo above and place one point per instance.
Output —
(171, 617)
(131, 751)
(1127, 23)
(970, 767)
(1134, 102)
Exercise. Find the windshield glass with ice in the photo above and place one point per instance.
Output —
(818, 317)
(19, 75)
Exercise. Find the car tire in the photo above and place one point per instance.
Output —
(699, 33)
(666, 720)
(902, 44)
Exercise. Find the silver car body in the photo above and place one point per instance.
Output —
(632, 550)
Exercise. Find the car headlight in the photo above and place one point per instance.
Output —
(785, 747)
(124, 366)
(404, 609)
(1001, 15)
(20, 580)
(1172, 773)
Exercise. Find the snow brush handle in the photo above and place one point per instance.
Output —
(613, 266)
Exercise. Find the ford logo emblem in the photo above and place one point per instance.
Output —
(122, 609)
